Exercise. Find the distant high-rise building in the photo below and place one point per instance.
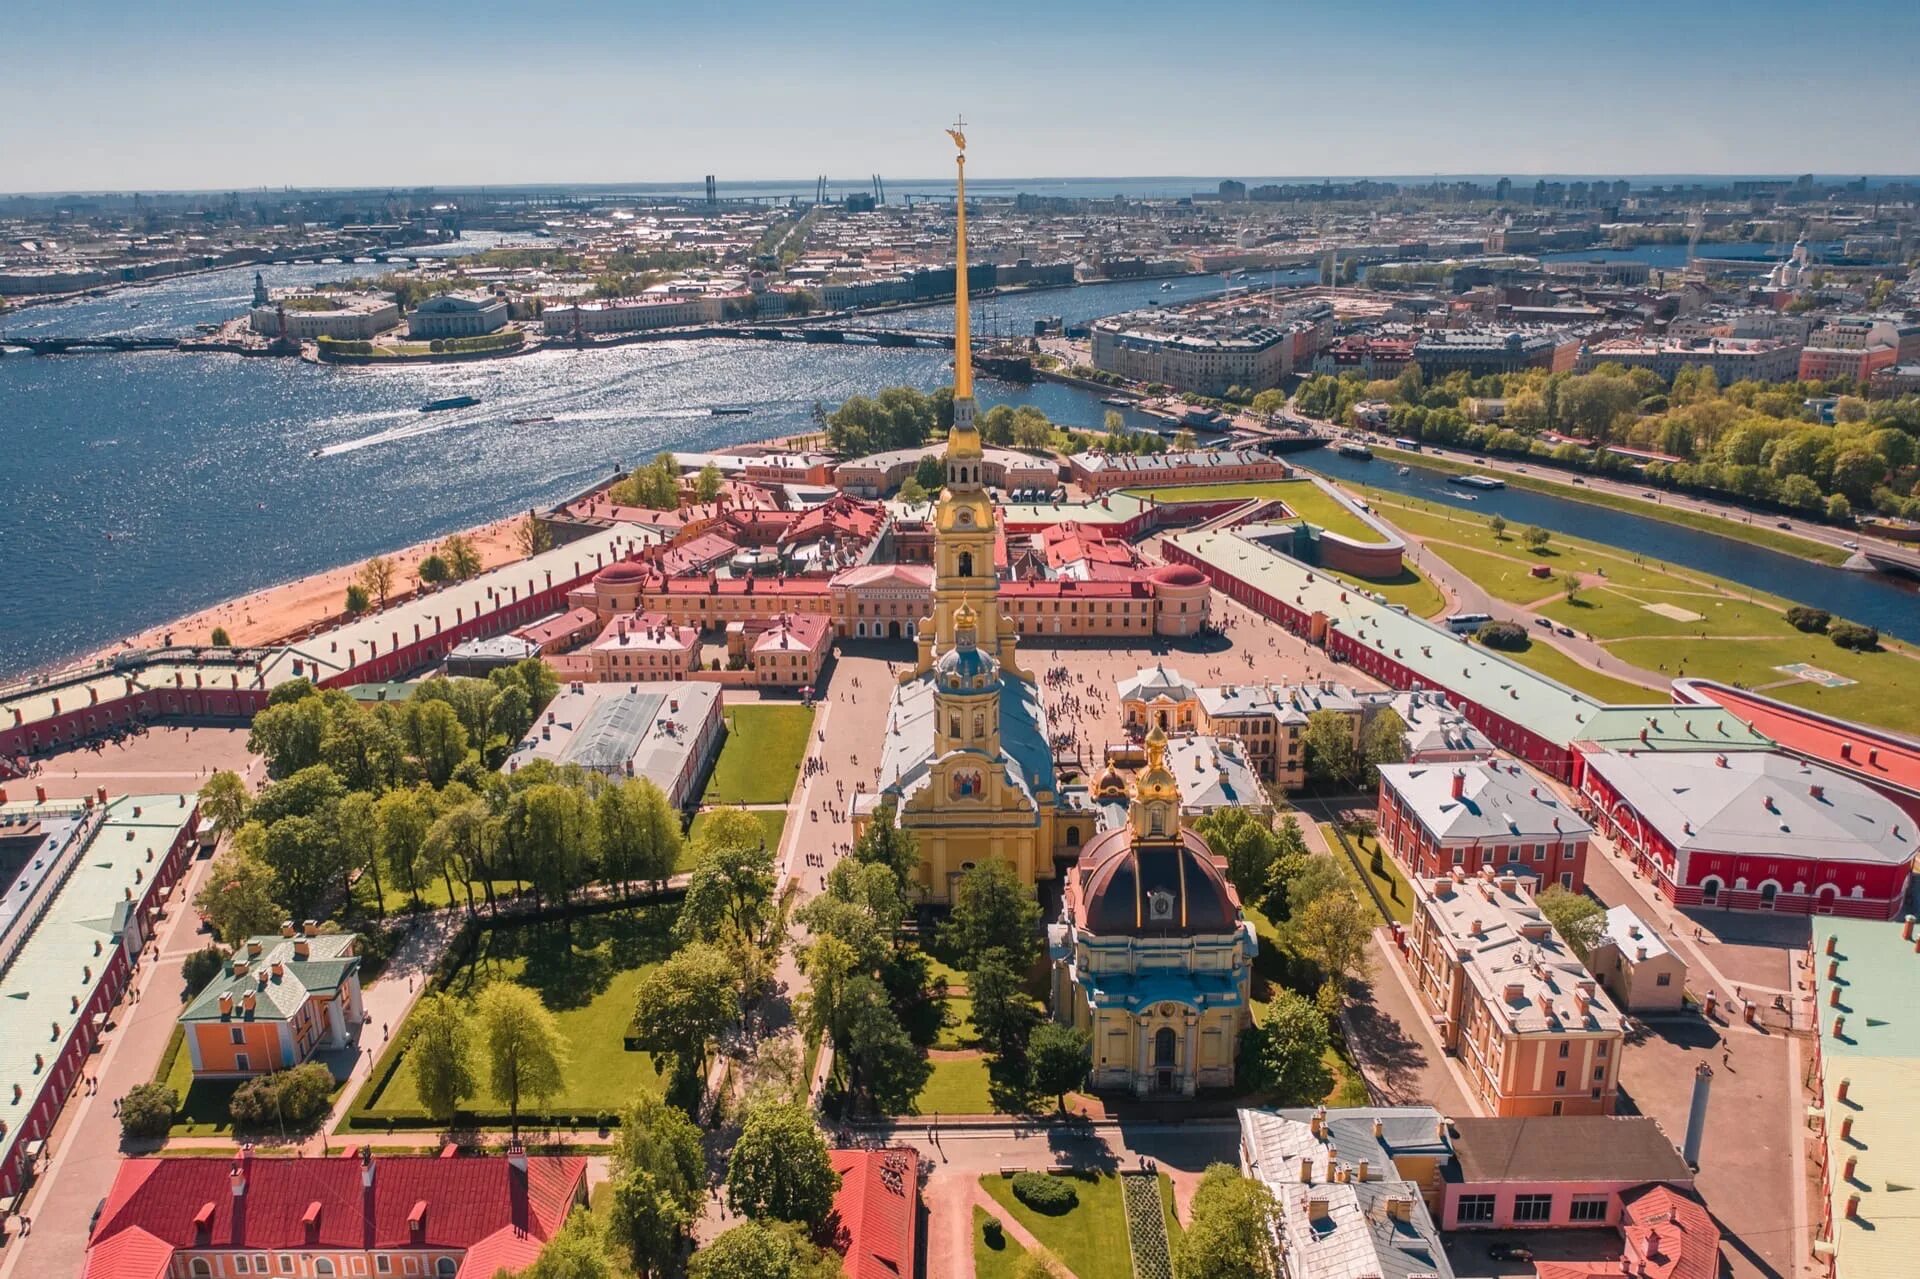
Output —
(1232, 190)
(1503, 190)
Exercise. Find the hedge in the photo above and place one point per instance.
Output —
(1044, 1192)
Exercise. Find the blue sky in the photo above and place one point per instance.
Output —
(184, 94)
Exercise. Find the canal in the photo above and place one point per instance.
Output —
(1891, 604)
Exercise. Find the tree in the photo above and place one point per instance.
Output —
(763, 1250)
(1247, 841)
(684, 1004)
(911, 491)
(436, 739)
(1057, 1058)
(376, 576)
(361, 748)
(1333, 930)
(884, 1065)
(202, 966)
(288, 734)
(532, 535)
(526, 1054)
(1234, 1232)
(550, 828)
(1003, 1012)
(779, 1167)
(306, 858)
(148, 1110)
(885, 842)
(463, 561)
(1578, 919)
(1839, 509)
(357, 600)
(219, 638)
(658, 1174)
(707, 485)
(1282, 1054)
(440, 1053)
(931, 471)
(237, 898)
(992, 910)
(433, 571)
(731, 885)
(401, 821)
(1384, 741)
(639, 833)
(225, 801)
(578, 1250)
(1570, 585)
(1331, 755)
(1499, 526)
(1185, 441)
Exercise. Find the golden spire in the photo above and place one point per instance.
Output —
(962, 326)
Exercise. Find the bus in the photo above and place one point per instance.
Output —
(1465, 623)
(1410, 445)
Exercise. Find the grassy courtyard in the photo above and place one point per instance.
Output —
(996, 1254)
(586, 971)
(1556, 665)
(1303, 497)
(1090, 1238)
(760, 760)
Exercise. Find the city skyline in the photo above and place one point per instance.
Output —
(224, 97)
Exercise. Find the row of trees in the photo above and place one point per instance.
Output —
(657, 484)
(1757, 441)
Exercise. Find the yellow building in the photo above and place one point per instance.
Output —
(1151, 956)
(967, 764)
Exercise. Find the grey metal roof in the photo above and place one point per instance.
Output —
(1024, 740)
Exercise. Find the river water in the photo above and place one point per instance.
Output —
(1888, 603)
(140, 487)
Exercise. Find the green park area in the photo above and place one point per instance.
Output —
(203, 1108)
(586, 970)
(1664, 620)
(1090, 1238)
(758, 764)
(1409, 588)
(996, 1254)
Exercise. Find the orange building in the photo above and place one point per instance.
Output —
(1533, 1030)
(275, 1002)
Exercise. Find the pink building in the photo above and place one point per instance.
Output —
(1554, 1172)
(644, 646)
(1473, 817)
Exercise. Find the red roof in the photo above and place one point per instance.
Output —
(1667, 1236)
(876, 1213)
(131, 1254)
(777, 587)
(465, 1199)
(563, 626)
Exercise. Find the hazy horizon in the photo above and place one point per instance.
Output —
(216, 95)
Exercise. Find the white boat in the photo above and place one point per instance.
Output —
(1405, 470)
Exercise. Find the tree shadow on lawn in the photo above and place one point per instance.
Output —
(569, 963)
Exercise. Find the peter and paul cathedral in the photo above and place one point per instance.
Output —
(968, 759)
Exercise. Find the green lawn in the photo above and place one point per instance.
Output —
(1303, 497)
(772, 820)
(1556, 665)
(957, 1086)
(996, 1254)
(203, 1105)
(1410, 589)
(1389, 882)
(1887, 692)
(957, 1031)
(1090, 1238)
(1269, 969)
(587, 974)
(761, 758)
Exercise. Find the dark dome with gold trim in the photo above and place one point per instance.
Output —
(1153, 888)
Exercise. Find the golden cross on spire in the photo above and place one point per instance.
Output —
(959, 137)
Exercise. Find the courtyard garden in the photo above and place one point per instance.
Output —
(760, 760)
(586, 970)
(1091, 1234)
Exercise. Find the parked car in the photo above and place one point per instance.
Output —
(1784, 524)
(1851, 546)
(1565, 630)
(1544, 621)
(1509, 1252)
(1579, 481)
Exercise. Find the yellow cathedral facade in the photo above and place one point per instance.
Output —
(967, 764)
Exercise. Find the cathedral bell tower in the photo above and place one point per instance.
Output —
(963, 521)
(966, 693)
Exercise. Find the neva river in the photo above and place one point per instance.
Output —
(142, 487)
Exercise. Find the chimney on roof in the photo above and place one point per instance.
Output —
(237, 1173)
(1360, 1173)
(226, 1004)
(1317, 1207)
(1306, 1171)
(517, 1157)
(302, 949)
(286, 928)
(253, 948)
(1906, 928)
(1379, 1128)
(1840, 1093)
(1853, 1207)
(1458, 786)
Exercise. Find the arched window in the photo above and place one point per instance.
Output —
(1768, 891)
(1164, 1046)
(979, 724)
(966, 564)
(322, 1266)
(1159, 819)
(446, 1266)
(953, 724)
(1710, 891)
(1073, 837)
(200, 1268)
